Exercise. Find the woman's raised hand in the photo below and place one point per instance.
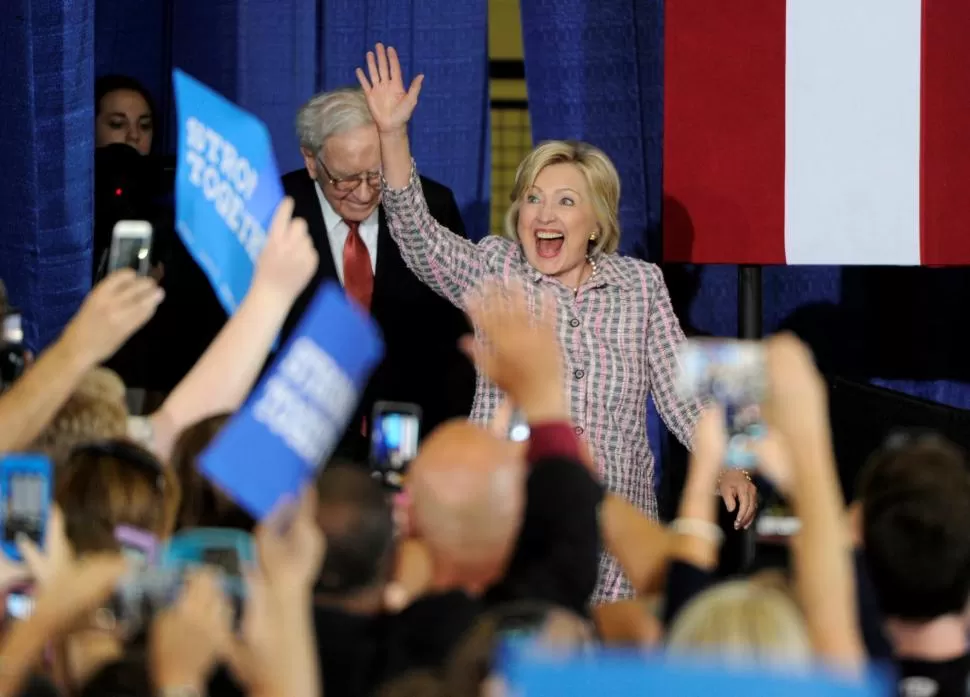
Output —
(390, 104)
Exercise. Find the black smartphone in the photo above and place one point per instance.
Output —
(394, 437)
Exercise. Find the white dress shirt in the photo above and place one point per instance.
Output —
(337, 231)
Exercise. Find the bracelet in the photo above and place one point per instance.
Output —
(695, 527)
(717, 487)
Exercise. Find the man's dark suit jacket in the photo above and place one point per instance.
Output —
(422, 362)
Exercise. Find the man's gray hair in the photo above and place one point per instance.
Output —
(330, 113)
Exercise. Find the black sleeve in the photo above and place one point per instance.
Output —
(557, 555)
(457, 371)
(684, 582)
(424, 634)
(446, 211)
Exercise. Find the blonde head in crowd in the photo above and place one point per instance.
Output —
(600, 176)
(745, 622)
(95, 411)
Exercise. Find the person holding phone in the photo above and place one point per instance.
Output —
(619, 333)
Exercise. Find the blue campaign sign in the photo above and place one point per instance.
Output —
(227, 186)
(536, 673)
(299, 411)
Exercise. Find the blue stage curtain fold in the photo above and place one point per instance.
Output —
(447, 42)
(259, 54)
(47, 138)
(136, 43)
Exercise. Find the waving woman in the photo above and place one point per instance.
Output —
(619, 333)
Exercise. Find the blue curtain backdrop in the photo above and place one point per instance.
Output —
(594, 71)
(47, 138)
(270, 56)
(448, 42)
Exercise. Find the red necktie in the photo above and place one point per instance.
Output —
(358, 273)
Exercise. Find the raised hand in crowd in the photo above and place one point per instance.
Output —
(276, 654)
(67, 590)
(222, 378)
(68, 587)
(802, 459)
(117, 308)
(191, 637)
(390, 103)
(517, 348)
(391, 106)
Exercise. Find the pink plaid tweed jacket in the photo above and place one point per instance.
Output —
(620, 339)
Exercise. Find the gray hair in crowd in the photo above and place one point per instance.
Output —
(330, 113)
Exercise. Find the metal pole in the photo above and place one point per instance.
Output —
(749, 327)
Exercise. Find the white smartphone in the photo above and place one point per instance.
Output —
(131, 246)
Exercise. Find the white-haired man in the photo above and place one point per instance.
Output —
(339, 195)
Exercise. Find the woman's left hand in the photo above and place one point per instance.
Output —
(739, 493)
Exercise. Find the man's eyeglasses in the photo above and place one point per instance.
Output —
(347, 184)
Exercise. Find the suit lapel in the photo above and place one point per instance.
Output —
(387, 256)
(308, 207)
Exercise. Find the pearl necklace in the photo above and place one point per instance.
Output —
(592, 275)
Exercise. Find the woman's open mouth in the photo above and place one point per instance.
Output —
(549, 243)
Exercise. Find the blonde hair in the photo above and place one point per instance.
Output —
(95, 411)
(743, 622)
(601, 177)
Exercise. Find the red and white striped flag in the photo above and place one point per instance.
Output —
(817, 132)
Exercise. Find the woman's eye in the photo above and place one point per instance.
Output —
(117, 125)
(146, 125)
(532, 198)
(566, 201)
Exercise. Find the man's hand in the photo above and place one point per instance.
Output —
(113, 311)
(291, 547)
(190, 637)
(68, 588)
(289, 260)
(518, 350)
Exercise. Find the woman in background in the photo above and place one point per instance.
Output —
(619, 333)
(123, 113)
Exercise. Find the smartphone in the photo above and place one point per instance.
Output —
(733, 374)
(13, 355)
(230, 551)
(142, 593)
(137, 545)
(395, 433)
(25, 499)
(131, 246)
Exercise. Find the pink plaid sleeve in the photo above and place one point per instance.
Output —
(447, 263)
(664, 338)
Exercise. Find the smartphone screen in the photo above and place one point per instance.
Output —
(395, 433)
(395, 440)
(226, 559)
(20, 605)
(25, 507)
(733, 374)
(131, 243)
